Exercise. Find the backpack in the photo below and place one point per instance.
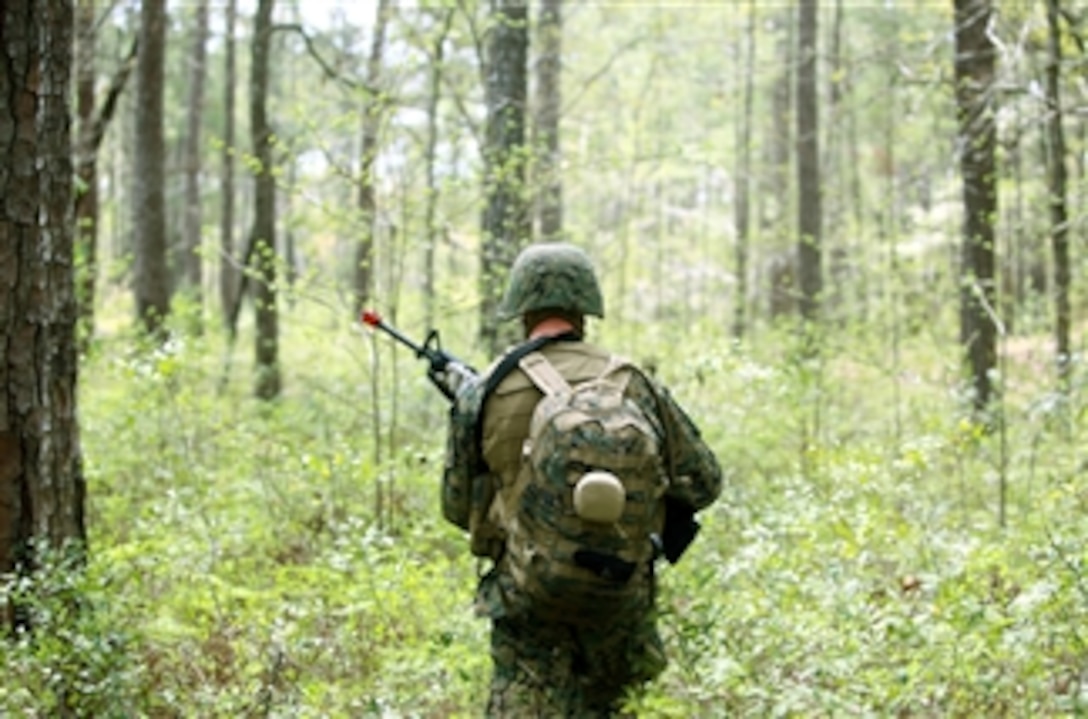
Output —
(584, 519)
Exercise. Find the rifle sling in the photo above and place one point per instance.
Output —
(510, 361)
(514, 357)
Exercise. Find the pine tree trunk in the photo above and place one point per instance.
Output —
(832, 167)
(744, 178)
(86, 192)
(264, 260)
(227, 274)
(780, 145)
(548, 104)
(506, 222)
(42, 487)
(1059, 222)
(438, 58)
(373, 111)
(152, 280)
(809, 211)
(974, 73)
(193, 262)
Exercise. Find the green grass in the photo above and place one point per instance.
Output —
(290, 560)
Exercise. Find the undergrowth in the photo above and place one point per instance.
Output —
(289, 559)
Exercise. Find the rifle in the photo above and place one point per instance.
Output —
(450, 375)
(446, 372)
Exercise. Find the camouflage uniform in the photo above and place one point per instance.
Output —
(548, 668)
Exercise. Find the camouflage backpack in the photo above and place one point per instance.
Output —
(584, 519)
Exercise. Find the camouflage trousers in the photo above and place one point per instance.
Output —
(557, 670)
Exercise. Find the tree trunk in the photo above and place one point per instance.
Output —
(263, 238)
(86, 193)
(809, 212)
(832, 167)
(780, 144)
(1059, 223)
(228, 278)
(506, 223)
(437, 59)
(974, 74)
(42, 487)
(548, 104)
(152, 281)
(192, 266)
(373, 110)
(744, 177)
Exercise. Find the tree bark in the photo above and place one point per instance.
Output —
(1059, 222)
(974, 75)
(506, 222)
(373, 111)
(548, 103)
(809, 211)
(832, 167)
(744, 178)
(263, 239)
(438, 53)
(193, 262)
(86, 193)
(42, 487)
(780, 144)
(152, 281)
(228, 276)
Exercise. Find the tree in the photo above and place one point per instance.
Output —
(86, 197)
(974, 76)
(776, 189)
(262, 257)
(152, 281)
(93, 121)
(437, 59)
(549, 200)
(506, 222)
(190, 270)
(227, 273)
(1059, 222)
(778, 145)
(42, 488)
(373, 110)
(809, 211)
(744, 177)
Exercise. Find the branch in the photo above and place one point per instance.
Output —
(329, 70)
(117, 85)
(243, 287)
(601, 72)
(459, 101)
(477, 40)
(1074, 22)
(104, 16)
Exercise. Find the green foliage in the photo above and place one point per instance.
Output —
(288, 558)
(255, 559)
(75, 655)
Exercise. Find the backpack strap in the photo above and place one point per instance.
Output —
(543, 374)
(513, 358)
(507, 364)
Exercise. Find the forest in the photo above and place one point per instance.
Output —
(846, 235)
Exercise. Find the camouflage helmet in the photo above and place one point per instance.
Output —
(552, 275)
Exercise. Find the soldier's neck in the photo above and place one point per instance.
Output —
(551, 327)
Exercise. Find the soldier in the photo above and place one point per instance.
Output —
(547, 666)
